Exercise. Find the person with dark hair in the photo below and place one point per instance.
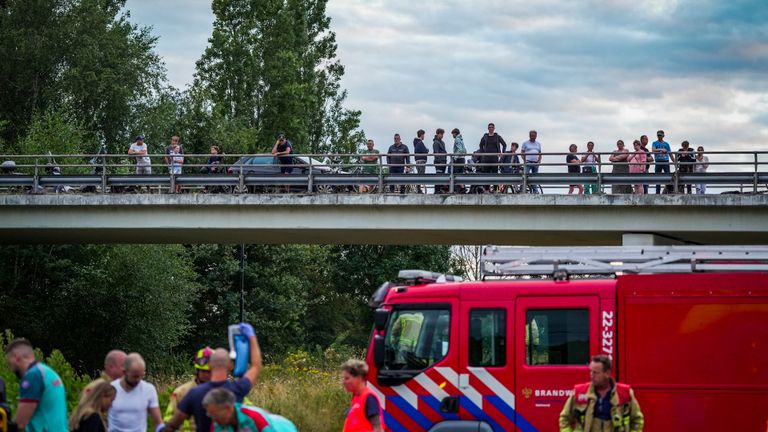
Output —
(648, 159)
(420, 156)
(686, 158)
(139, 149)
(619, 159)
(531, 151)
(283, 149)
(90, 414)
(573, 162)
(229, 415)
(458, 151)
(601, 404)
(662, 154)
(589, 163)
(398, 159)
(441, 160)
(510, 164)
(636, 161)
(492, 145)
(42, 398)
(365, 413)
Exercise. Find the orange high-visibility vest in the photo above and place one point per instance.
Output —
(356, 420)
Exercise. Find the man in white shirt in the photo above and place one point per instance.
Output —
(531, 150)
(135, 398)
(139, 149)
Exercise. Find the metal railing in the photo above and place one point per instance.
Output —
(738, 172)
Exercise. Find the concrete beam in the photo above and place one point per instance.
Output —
(383, 219)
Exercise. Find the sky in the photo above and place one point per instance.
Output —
(575, 71)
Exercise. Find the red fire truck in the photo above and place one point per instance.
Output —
(686, 326)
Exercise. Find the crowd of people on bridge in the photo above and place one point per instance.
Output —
(121, 400)
(493, 156)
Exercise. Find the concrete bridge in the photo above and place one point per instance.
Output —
(385, 219)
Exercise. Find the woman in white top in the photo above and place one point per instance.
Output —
(700, 167)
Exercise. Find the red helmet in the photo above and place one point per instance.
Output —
(203, 359)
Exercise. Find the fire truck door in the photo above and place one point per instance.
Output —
(555, 337)
(486, 368)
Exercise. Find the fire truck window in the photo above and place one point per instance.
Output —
(557, 337)
(487, 337)
(416, 338)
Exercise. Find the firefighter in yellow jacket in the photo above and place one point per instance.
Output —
(601, 405)
(202, 375)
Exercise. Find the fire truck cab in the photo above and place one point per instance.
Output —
(686, 327)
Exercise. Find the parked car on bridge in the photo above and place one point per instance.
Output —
(269, 165)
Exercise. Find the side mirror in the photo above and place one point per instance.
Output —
(378, 351)
(380, 318)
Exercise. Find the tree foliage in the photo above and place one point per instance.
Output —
(86, 300)
(165, 300)
(271, 67)
(79, 57)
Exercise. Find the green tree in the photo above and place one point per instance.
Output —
(31, 33)
(271, 67)
(78, 57)
(88, 299)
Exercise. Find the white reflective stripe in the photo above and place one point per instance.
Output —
(492, 383)
(431, 387)
(452, 377)
(407, 394)
(382, 398)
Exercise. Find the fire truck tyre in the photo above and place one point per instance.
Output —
(461, 426)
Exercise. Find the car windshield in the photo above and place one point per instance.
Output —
(416, 338)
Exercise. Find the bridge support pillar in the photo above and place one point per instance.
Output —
(645, 239)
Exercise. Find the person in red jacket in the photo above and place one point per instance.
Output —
(601, 404)
(365, 413)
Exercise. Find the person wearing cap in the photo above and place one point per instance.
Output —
(139, 149)
(662, 154)
(202, 375)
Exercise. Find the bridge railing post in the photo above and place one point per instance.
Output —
(241, 180)
(36, 181)
(451, 176)
(525, 176)
(754, 189)
(599, 173)
(381, 174)
(173, 182)
(310, 179)
(104, 174)
(676, 175)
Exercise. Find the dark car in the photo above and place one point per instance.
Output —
(269, 165)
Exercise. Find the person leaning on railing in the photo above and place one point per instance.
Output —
(619, 159)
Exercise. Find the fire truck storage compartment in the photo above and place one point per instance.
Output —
(694, 347)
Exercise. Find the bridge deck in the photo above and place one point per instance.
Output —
(382, 219)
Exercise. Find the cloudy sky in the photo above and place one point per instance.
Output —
(573, 70)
